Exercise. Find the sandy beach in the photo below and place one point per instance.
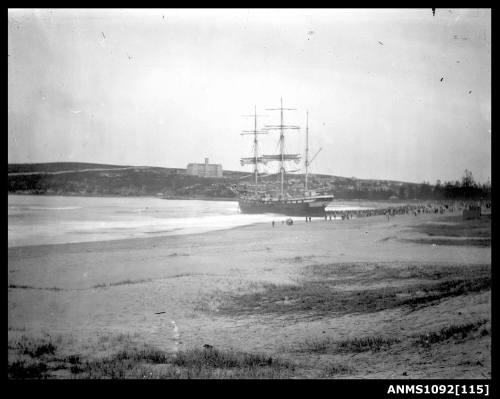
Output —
(240, 290)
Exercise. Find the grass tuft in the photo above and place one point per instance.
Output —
(364, 344)
(318, 296)
(458, 331)
(101, 285)
(194, 363)
(351, 345)
(333, 370)
(457, 228)
(129, 281)
(449, 288)
(73, 359)
(21, 369)
(123, 282)
(36, 347)
(213, 358)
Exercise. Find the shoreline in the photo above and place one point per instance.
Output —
(17, 240)
(298, 220)
(317, 222)
(138, 239)
(153, 236)
(193, 235)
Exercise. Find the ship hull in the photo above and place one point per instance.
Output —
(292, 207)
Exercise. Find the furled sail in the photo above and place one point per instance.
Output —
(279, 157)
(251, 161)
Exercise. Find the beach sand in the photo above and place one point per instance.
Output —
(178, 292)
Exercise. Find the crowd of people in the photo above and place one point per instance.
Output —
(408, 209)
(440, 207)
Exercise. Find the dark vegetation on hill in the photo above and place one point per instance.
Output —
(128, 182)
(56, 167)
(100, 179)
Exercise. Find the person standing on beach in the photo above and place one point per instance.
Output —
(273, 223)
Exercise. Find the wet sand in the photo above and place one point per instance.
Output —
(167, 291)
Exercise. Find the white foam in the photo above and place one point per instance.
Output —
(102, 219)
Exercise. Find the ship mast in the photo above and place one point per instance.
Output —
(307, 160)
(255, 160)
(282, 157)
(307, 148)
(282, 146)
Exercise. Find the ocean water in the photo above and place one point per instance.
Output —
(37, 219)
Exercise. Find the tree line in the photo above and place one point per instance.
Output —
(464, 189)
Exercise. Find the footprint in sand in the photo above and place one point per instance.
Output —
(176, 336)
(175, 333)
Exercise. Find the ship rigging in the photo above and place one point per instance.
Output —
(308, 204)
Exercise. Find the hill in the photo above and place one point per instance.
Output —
(56, 167)
(102, 179)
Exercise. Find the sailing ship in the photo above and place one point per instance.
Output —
(307, 204)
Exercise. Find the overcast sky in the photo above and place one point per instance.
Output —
(391, 94)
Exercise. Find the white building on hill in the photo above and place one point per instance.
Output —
(204, 169)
